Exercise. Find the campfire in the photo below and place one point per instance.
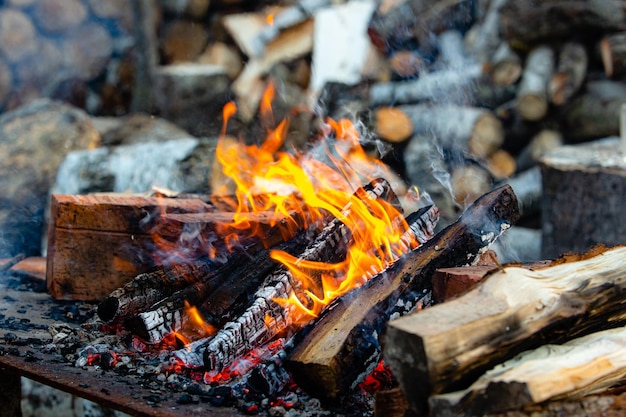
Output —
(334, 251)
(261, 297)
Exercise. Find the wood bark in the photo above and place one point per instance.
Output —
(445, 347)
(453, 86)
(486, 37)
(344, 340)
(532, 95)
(476, 131)
(570, 73)
(390, 403)
(579, 182)
(582, 366)
(533, 21)
(595, 113)
(506, 66)
(11, 394)
(98, 243)
(613, 51)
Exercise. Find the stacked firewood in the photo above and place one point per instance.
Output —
(469, 94)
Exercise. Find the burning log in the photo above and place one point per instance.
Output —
(570, 73)
(582, 366)
(344, 340)
(263, 319)
(532, 95)
(444, 347)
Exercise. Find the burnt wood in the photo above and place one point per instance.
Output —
(340, 345)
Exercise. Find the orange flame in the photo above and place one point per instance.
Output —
(268, 179)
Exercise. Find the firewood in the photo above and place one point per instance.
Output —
(290, 45)
(390, 403)
(392, 124)
(98, 243)
(18, 36)
(219, 53)
(449, 283)
(451, 85)
(284, 19)
(580, 181)
(570, 73)
(533, 21)
(501, 164)
(89, 48)
(528, 189)
(595, 113)
(33, 267)
(543, 142)
(55, 16)
(6, 81)
(445, 347)
(475, 130)
(344, 340)
(470, 181)
(183, 41)
(452, 49)
(579, 367)
(407, 63)
(263, 318)
(613, 50)
(339, 50)
(485, 36)
(506, 66)
(532, 95)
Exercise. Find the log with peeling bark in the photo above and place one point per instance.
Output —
(452, 85)
(485, 36)
(97, 243)
(253, 325)
(585, 365)
(532, 21)
(446, 347)
(613, 50)
(343, 342)
(570, 73)
(532, 95)
(475, 130)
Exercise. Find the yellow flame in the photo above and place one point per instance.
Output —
(268, 179)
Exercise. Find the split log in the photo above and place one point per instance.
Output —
(449, 85)
(258, 323)
(449, 283)
(506, 66)
(475, 130)
(570, 73)
(445, 347)
(532, 95)
(579, 182)
(533, 21)
(582, 366)
(289, 17)
(98, 243)
(226, 56)
(595, 114)
(343, 342)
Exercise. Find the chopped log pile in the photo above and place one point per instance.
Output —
(438, 352)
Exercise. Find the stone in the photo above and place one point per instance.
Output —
(35, 139)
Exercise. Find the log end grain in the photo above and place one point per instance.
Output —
(487, 135)
(393, 124)
(532, 107)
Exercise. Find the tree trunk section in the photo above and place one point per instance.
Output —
(584, 195)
